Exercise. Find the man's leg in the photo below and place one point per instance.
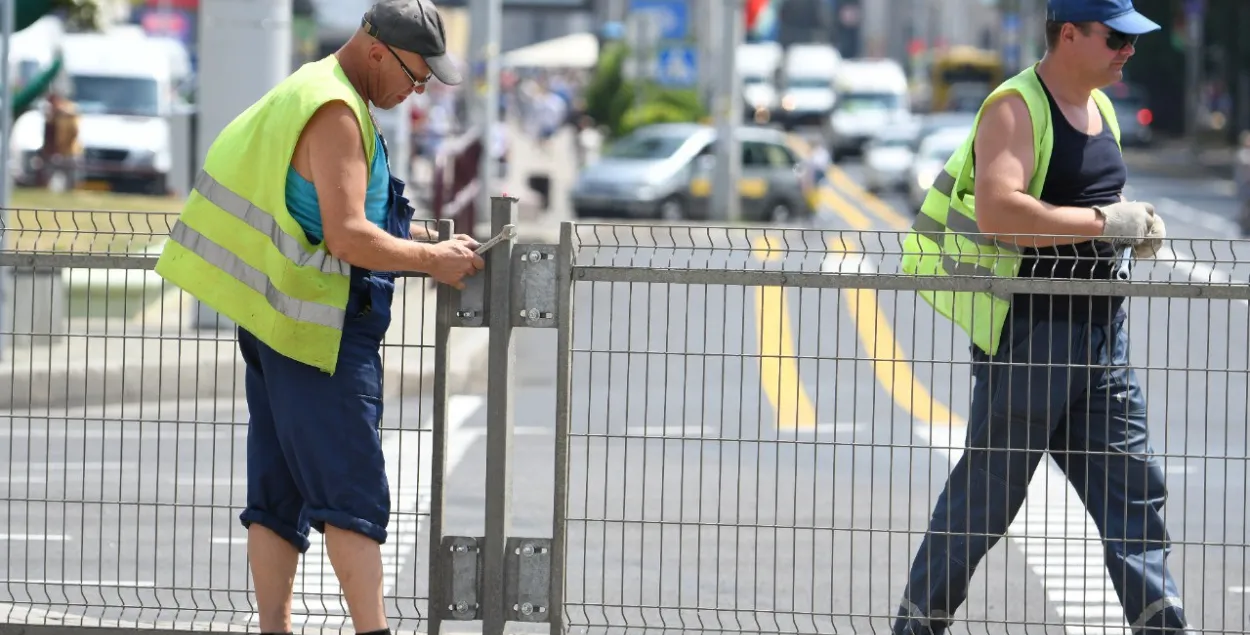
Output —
(1013, 412)
(277, 531)
(329, 429)
(1112, 467)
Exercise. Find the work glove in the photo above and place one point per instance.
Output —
(1153, 241)
(1126, 222)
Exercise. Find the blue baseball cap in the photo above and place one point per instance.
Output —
(1118, 15)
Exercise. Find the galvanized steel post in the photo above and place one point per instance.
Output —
(499, 422)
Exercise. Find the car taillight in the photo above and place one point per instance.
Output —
(1144, 116)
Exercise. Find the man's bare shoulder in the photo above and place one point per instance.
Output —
(334, 122)
(1004, 118)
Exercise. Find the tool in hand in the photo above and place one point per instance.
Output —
(508, 231)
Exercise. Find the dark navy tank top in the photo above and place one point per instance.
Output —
(1084, 171)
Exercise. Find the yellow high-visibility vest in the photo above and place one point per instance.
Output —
(945, 240)
(237, 249)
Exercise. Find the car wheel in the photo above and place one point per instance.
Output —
(672, 210)
(780, 212)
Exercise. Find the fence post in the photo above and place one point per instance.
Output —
(440, 576)
(499, 422)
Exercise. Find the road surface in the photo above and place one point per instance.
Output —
(741, 459)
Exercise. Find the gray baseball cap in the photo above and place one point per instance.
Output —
(414, 26)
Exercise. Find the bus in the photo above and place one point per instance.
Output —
(962, 77)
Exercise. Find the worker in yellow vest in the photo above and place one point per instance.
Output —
(1050, 372)
(294, 230)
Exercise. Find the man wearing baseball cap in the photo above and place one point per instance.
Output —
(1038, 193)
(293, 231)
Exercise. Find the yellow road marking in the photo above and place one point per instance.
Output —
(779, 368)
(888, 359)
(843, 208)
(870, 200)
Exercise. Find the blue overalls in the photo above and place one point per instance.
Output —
(314, 451)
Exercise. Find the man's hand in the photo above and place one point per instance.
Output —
(467, 239)
(452, 260)
(1126, 222)
(1153, 242)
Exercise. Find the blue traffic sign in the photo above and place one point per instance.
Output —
(677, 66)
(673, 16)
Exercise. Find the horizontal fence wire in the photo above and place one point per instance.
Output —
(762, 422)
(123, 440)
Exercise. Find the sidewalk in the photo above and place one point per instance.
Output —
(125, 362)
(1176, 158)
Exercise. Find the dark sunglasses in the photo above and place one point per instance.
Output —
(1117, 41)
(412, 77)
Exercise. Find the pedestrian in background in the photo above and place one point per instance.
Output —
(292, 230)
(1050, 373)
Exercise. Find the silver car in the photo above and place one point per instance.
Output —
(664, 171)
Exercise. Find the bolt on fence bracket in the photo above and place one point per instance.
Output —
(463, 562)
(527, 583)
(534, 286)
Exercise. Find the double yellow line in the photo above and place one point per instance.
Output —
(779, 369)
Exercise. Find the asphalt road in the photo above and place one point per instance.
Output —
(740, 459)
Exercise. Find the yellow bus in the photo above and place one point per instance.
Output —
(962, 77)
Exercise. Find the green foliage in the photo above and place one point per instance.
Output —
(621, 106)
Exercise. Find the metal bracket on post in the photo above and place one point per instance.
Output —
(534, 286)
(462, 561)
(470, 303)
(528, 580)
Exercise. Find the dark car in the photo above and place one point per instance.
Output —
(1133, 113)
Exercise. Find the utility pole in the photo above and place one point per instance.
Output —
(234, 35)
(1194, 17)
(8, 16)
(486, 19)
(724, 201)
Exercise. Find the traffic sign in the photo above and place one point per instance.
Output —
(673, 16)
(677, 66)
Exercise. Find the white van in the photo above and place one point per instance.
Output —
(807, 84)
(123, 88)
(872, 97)
(758, 64)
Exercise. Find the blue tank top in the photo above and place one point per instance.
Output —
(1084, 171)
(301, 196)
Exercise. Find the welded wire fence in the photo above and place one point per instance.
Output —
(760, 423)
(123, 432)
(750, 431)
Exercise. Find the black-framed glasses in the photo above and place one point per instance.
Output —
(1117, 40)
(412, 77)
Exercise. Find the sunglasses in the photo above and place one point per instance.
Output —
(412, 77)
(1117, 40)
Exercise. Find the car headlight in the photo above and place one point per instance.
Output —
(925, 178)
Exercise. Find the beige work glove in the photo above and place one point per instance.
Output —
(1153, 241)
(1126, 222)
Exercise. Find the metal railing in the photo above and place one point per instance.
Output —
(737, 429)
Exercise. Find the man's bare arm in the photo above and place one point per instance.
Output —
(1004, 165)
(340, 174)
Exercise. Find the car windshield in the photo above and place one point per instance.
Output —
(858, 102)
(941, 150)
(754, 79)
(892, 142)
(645, 146)
(807, 82)
(116, 95)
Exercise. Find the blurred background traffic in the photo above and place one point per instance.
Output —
(612, 108)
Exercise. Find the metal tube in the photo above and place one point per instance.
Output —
(439, 580)
(564, 417)
(499, 424)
